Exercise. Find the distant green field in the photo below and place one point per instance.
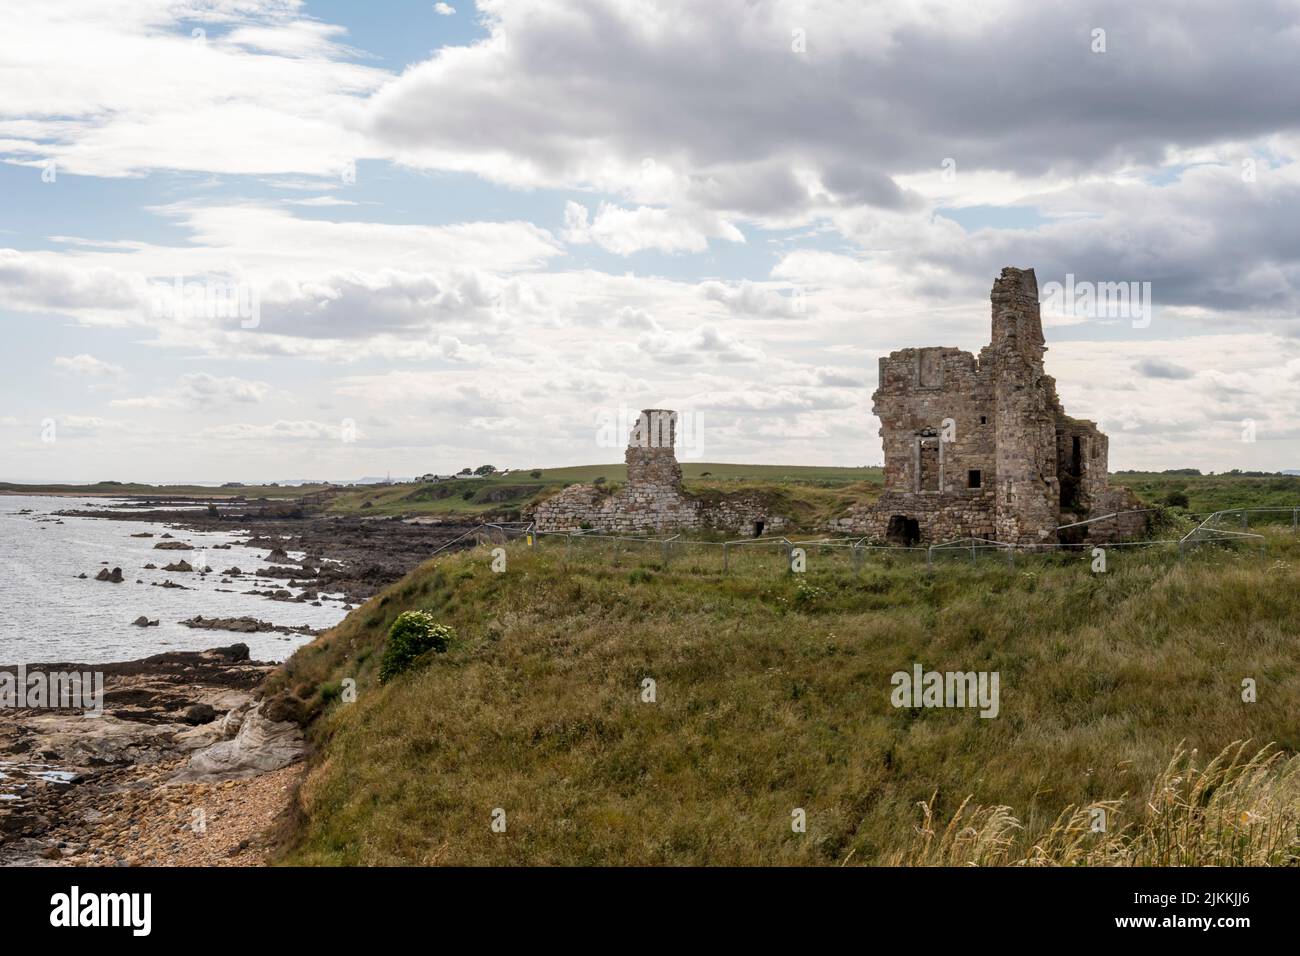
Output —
(807, 493)
(1207, 493)
(114, 488)
(505, 493)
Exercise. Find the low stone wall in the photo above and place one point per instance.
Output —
(633, 509)
(939, 517)
(947, 517)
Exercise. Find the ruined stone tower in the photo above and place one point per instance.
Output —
(980, 447)
(1027, 490)
(651, 458)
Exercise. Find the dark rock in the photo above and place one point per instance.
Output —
(199, 714)
(285, 707)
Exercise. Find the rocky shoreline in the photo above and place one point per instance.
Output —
(189, 764)
(351, 556)
(178, 755)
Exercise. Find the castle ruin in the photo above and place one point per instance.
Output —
(981, 447)
(653, 498)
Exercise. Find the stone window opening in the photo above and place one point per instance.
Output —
(758, 529)
(974, 478)
(984, 419)
(929, 369)
(929, 464)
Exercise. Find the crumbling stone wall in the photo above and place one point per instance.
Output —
(981, 447)
(653, 498)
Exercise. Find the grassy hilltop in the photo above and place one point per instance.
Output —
(773, 693)
(811, 493)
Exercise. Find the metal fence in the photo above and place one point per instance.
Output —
(786, 554)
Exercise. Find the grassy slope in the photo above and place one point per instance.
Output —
(767, 703)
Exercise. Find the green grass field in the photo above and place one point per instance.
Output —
(1206, 493)
(773, 695)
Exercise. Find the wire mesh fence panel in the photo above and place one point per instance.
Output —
(1222, 530)
(759, 556)
(832, 556)
(695, 557)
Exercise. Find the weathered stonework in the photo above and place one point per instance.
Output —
(653, 499)
(981, 447)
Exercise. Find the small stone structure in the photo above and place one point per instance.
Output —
(653, 499)
(981, 447)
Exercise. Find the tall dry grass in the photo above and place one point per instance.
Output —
(1237, 810)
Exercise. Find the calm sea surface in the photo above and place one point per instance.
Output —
(48, 614)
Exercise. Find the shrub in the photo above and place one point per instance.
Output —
(535, 474)
(1177, 499)
(412, 634)
(807, 595)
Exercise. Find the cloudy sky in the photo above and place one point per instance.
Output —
(281, 239)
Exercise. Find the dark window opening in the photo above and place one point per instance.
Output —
(928, 462)
(903, 530)
(758, 528)
(984, 419)
(1070, 480)
(974, 479)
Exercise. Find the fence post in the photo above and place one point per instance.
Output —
(1011, 557)
(1295, 520)
(929, 559)
(1245, 519)
(726, 555)
(665, 551)
(972, 549)
(857, 558)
